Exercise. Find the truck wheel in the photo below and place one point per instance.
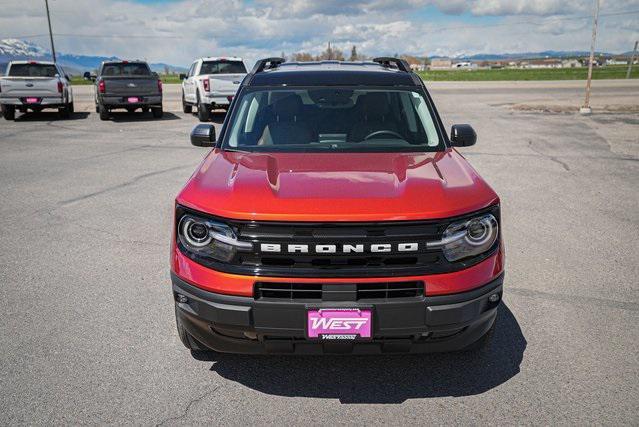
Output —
(104, 113)
(71, 108)
(186, 108)
(157, 112)
(203, 112)
(64, 112)
(9, 112)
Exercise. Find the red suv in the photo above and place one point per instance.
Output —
(335, 215)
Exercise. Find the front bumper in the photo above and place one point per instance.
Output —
(237, 324)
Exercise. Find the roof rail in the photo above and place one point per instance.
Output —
(387, 61)
(261, 64)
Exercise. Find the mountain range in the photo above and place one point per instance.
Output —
(535, 55)
(14, 49)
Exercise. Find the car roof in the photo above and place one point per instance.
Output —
(122, 61)
(332, 73)
(32, 62)
(221, 58)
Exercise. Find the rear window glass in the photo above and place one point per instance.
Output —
(222, 67)
(33, 70)
(130, 69)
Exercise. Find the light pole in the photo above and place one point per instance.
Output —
(586, 108)
(46, 4)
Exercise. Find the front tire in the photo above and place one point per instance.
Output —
(482, 343)
(186, 338)
(104, 113)
(9, 112)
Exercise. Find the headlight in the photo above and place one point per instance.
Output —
(210, 239)
(470, 237)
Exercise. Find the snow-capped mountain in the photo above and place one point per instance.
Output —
(14, 49)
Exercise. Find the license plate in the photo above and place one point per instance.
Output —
(133, 99)
(339, 323)
(33, 100)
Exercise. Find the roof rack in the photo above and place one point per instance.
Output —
(261, 65)
(387, 61)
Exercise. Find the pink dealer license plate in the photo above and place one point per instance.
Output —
(33, 100)
(133, 99)
(337, 323)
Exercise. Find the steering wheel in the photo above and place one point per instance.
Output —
(382, 132)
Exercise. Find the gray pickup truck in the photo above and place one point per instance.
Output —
(128, 85)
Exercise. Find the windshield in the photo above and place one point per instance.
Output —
(32, 70)
(222, 67)
(332, 119)
(128, 69)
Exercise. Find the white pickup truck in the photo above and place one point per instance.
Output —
(211, 83)
(35, 85)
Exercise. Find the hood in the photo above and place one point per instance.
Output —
(336, 186)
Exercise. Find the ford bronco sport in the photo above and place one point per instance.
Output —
(335, 215)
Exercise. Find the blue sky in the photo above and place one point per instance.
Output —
(176, 31)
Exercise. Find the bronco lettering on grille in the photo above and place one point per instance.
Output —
(344, 248)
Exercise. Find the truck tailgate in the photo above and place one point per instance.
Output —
(225, 83)
(115, 86)
(18, 87)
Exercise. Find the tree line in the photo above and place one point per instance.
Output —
(336, 54)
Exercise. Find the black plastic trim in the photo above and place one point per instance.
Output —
(440, 323)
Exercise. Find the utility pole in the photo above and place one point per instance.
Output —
(586, 108)
(632, 59)
(46, 3)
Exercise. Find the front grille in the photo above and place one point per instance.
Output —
(313, 263)
(338, 291)
(339, 264)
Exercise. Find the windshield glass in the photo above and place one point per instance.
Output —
(222, 67)
(32, 70)
(332, 119)
(129, 69)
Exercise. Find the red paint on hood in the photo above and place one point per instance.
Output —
(336, 186)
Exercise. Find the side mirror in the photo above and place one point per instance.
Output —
(86, 75)
(203, 135)
(66, 76)
(182, 76)
(156, 75)
(462, 135)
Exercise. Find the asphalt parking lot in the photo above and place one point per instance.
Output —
(87, 326)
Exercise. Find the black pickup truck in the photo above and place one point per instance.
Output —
(126, 85)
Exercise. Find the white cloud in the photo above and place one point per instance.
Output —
(178, 32)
